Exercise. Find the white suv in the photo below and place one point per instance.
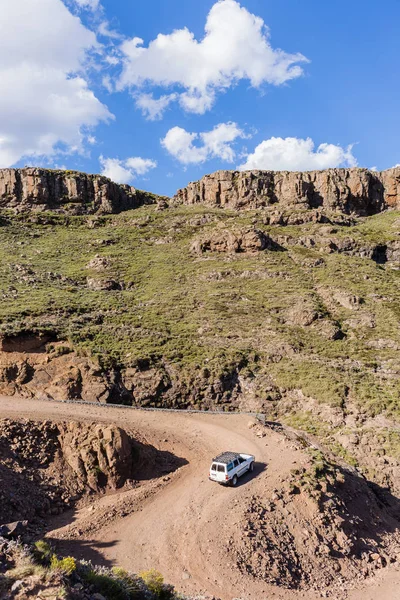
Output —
(229, 466)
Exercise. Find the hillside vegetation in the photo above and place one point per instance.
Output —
(325, 323)
(293, 314)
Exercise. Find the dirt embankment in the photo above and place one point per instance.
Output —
(46, 467)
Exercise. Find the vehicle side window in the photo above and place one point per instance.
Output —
(230, 466)
(236, 462)
(241, 460)
(221, 468)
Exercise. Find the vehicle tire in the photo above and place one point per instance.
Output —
(251, 467)
(234, 481)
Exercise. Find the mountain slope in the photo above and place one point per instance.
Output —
(288, 309)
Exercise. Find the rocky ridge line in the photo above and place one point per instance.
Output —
(71, 192)
(350, 191)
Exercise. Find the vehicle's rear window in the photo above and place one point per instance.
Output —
(221, 468)
(213, 467)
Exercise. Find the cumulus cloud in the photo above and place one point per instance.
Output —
(125, 171)
(151, 108)
(236, 46)
(294, 154)
(216, 143)
(45, 101)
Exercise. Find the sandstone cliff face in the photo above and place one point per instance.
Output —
(351, 191)
(67, 191)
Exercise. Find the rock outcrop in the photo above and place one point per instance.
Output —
(99, 455)
(71, 192)
(34, 366)
(350, 191)
(245, 240)
(45, 466)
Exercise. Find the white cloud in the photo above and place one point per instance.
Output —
(125, 171)
(154, 109)
(107, 84)
(112, 60)
(140, 166)
(105, 31)
(45, 102)
(91, 4)
(179, 143)
(235, 46)
(294, 154)
(216, 143)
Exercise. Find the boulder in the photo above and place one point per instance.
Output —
(13, 530)
(99, 263)
(349, 301)
(301, 314)
(245, 240)
(99, 455)
(103, 285)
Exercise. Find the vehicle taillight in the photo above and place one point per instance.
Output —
(226, 477)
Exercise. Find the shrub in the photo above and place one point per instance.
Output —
(154, 580)
(67, 565)
(131, 583)
(111, 588)
(61, 350)
(155, 583)
(42, 552)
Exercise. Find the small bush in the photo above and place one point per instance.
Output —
(67, 565)
(4, 584)
(106, 585)
(42, 552)
(120, 573)
(131, 583)
(61, 351)
(155, 583)
(154, 580)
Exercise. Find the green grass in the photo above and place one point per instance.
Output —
(221, 311)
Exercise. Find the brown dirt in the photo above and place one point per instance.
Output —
(184, 525)
(47, 466)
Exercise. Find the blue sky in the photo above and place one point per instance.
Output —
(271, 85)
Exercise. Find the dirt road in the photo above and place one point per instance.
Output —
(182, 526)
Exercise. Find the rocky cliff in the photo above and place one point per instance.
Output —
(351, 191)
(71, 192)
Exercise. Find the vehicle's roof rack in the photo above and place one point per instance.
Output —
(226, 457)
